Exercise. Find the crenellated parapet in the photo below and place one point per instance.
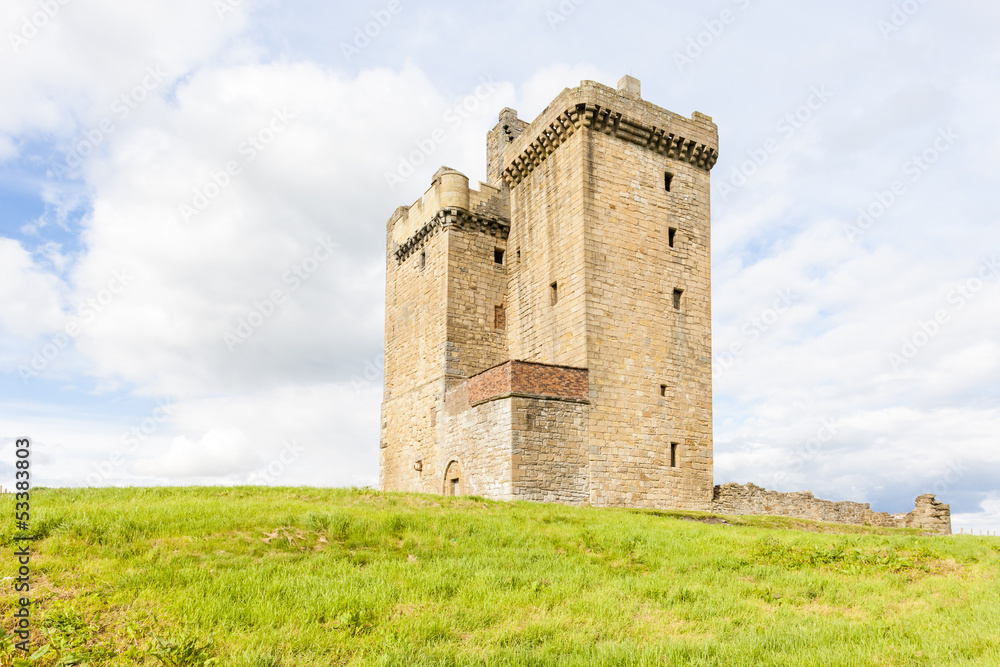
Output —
(453, 218)
(448, 203)
(622, 114)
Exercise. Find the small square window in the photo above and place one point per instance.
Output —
(498, 256)
(671, 236)
(554, 293)
(677, 298)
(668, 179)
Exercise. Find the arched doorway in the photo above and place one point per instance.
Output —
(453, 479)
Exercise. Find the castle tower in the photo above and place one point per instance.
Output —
(548, 335)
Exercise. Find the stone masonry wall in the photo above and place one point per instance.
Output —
(414, 355)
(479, 439)
(736, 499)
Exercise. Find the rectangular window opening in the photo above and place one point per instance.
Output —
(677, 298)
(554, 293)
(671, 235)
(423, 258)
(499, 317)
(498, 256)
(663, 390)
(673, 454)
(667, 180)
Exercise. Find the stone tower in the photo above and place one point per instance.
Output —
(548, 335)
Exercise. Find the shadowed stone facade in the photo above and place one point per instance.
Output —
(548, 335)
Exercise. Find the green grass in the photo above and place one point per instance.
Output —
(266, 576)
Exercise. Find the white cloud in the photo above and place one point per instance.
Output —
(30, 295)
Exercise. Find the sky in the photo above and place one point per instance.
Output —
(193, 196)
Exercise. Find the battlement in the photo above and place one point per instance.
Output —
(621, 113)
(449, 190)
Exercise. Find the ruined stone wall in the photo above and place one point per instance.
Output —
(929, 514)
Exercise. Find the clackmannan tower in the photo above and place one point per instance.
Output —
(547, 336)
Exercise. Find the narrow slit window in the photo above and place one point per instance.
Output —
(423, 258)
(677, 298)
(663, 390)
(498, 256)
(673, 454)
(671, 236)
(668, 179)
(554, 293)
(499, 317)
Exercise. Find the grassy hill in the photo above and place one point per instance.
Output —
(278, 576)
